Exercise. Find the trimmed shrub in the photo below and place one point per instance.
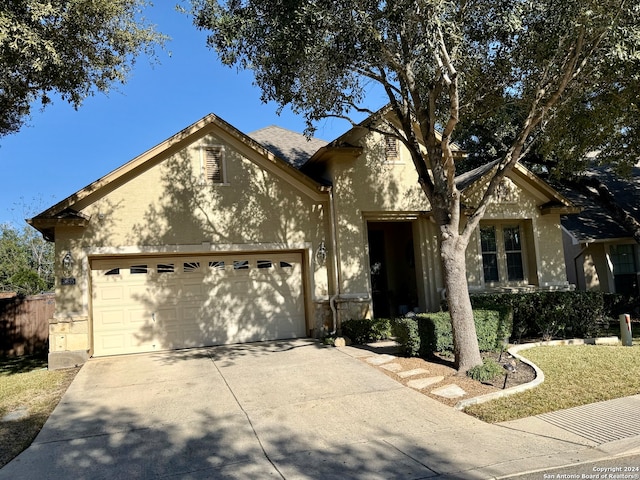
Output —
(616, 304)
(549, 314)
(406, 332)
(486, 372)
(492, 326)
(366, 330)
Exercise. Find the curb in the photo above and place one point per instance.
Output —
(513, 351)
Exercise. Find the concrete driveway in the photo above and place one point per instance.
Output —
(288, 409)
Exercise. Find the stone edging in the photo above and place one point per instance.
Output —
(513, 351)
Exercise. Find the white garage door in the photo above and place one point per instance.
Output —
(145, 304)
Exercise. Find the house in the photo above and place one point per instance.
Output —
(216, 237)
(600, 253)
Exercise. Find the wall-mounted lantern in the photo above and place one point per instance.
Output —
(321, 254)
(67, 263)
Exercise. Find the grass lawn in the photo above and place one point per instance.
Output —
(28, 394)
(574, 375)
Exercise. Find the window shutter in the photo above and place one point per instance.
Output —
(390, 148)
(214, 165)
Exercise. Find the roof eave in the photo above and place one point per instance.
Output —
(560, 209)
(47, 224)
(329, 151)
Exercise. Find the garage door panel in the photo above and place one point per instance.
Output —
(111, 319)
(170, 302)
(112, 293)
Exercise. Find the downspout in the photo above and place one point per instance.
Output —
(336, 274)
(575, 267)
(335, 271)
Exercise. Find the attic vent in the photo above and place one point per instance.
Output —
(214, 164)
(391, 148)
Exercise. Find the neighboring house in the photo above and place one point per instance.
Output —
(216, 237)
(600, 253)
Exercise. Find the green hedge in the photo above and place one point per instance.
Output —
(492, 327)
(406, 332)
(366, 330)
(427, 333)
(549, 314)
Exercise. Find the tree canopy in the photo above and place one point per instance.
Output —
(26, 261)
(504, 77)
(69, 47)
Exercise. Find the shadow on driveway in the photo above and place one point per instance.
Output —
(292, 409)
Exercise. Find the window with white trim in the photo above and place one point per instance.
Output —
(502, 253)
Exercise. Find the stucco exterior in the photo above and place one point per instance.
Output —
(592, 267)
(357, 219)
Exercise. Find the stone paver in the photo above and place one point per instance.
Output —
(449, 391)
(421, 383)
(392, 367)
(380, 359)
(412, 373)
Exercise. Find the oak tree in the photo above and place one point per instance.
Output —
(72, 48)
(528, 72)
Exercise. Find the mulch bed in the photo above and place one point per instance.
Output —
(443, 366)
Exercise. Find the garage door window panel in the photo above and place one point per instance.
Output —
(165, 268)
(241, 264)
(138, 269)
(190, 267)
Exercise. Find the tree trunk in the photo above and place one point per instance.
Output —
(465, 340)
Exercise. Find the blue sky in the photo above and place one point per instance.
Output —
(63, 150)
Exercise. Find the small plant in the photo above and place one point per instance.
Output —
(329, 340)
(489, 370)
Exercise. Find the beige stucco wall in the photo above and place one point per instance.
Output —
(543, 256)
(364, 188)
(368, 188)
(594, 268)
(169, 209)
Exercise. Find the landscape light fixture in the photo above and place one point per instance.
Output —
(510, 368)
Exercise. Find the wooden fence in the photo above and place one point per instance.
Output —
(24, 323)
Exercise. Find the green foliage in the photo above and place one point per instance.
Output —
(510, 62)
(489, 370)
(407, 335)
(72, 48)
(366, 330)
(492, 326)
(550, 314)
(503, 74)
(26, 261)
(616, 305)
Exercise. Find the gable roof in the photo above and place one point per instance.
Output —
(292, 147)
(595, 223)
(64, 213)
(558, 203)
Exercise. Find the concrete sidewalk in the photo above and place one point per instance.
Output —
(289, 409)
